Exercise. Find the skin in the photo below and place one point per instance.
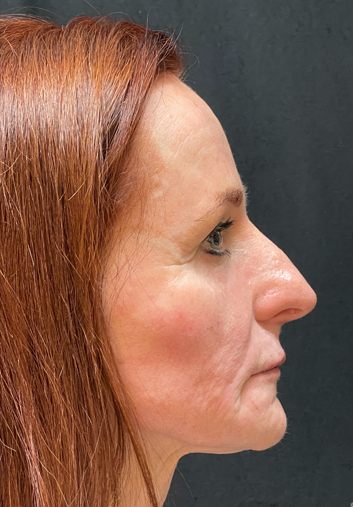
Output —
(189, 329)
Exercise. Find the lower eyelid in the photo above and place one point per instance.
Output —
(217, 253)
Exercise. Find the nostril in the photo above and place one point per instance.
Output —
(292, 311)
(303, 307)
(285, 302)
(290, 314)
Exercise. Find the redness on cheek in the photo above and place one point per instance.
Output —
(185, 337)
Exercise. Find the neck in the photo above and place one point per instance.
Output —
(162, 465)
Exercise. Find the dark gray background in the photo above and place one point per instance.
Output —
(279, 76)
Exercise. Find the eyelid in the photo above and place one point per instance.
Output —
(222, 226)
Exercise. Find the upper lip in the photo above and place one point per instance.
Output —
(280, 360)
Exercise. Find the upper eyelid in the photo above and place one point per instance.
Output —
(222, 226)
(225, 225)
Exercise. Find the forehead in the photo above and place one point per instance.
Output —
(183, 146)
(177, 115)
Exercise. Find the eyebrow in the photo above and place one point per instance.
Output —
(234, 196)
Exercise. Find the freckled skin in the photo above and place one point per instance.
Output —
(189, 329)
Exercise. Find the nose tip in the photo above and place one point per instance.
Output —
(298, 307)
(284, 293)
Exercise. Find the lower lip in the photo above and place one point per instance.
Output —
(274, 372)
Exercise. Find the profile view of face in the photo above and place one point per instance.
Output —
(194, 295)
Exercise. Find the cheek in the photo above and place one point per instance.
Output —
(200, 341)
(174, 327)
(188, 332)
(178, 337)
(202, 324)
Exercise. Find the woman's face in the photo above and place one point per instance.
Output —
(195, 296)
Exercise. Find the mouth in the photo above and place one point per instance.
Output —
(272, 368)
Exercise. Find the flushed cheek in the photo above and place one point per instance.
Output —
(188, 348)
(190, 338)
(188, 318)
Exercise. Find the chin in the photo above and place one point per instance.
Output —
(261, 433)
(272, 431)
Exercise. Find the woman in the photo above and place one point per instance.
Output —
(140, 308)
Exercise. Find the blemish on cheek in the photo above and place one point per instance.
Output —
(214, 327)
(256, 406)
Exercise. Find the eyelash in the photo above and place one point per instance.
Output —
(219, 229)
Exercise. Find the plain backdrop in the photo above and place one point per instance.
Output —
(278, 74)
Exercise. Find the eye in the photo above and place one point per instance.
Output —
(214, 241)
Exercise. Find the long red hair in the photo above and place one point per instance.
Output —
(70, 101)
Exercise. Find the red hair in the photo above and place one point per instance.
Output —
(70, 101)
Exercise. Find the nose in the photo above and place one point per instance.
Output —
(281, 294)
